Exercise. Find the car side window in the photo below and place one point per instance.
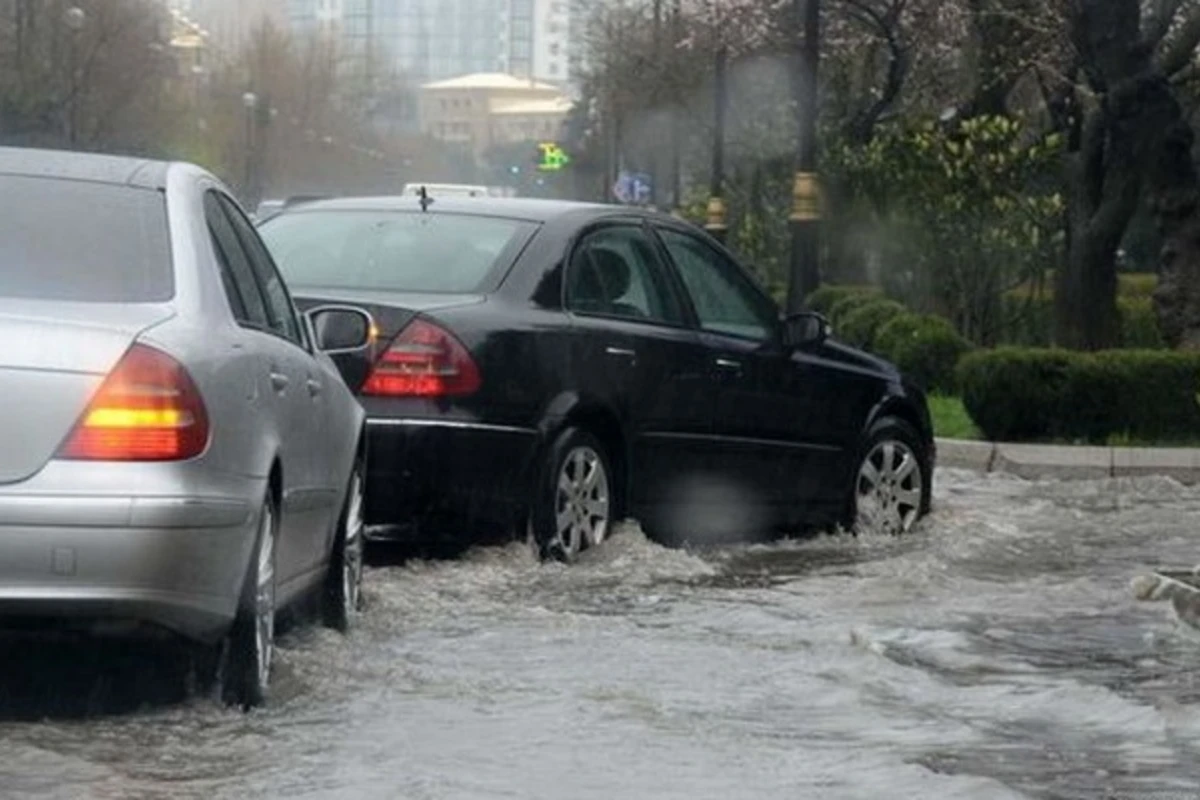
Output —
(724, 299)
(281, 313)
(614, 271)
(245, 298)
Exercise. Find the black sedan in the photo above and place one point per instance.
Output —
(551, 367)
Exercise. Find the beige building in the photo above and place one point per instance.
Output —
(483, 110)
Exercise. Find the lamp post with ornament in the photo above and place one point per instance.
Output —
(805, 218)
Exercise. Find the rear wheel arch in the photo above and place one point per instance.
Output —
(602, 422)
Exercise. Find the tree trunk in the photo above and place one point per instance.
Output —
(1085, 292)
(1102, 191)
(1172, 188)
(1104, 165)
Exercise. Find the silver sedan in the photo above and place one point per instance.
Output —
(177, 450)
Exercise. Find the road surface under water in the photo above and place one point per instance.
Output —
(994, 653)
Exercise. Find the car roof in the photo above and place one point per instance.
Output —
(524, 208)
(93, 167)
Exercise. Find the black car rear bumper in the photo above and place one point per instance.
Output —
(446, 478)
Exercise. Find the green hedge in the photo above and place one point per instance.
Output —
(860, 326)
(925, 347)
(824, 298)
(1022, 394)
(842, 309)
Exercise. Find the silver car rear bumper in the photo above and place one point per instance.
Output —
(176, 562)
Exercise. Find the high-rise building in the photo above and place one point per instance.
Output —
(427, 40)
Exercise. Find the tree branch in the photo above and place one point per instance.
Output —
(1158, 19)
(1180, 50)
(886, 25)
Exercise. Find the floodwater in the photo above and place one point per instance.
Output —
(995, 653)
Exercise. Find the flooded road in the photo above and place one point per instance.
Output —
(994, 653)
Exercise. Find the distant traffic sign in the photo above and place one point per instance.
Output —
(553, 157)
(633, 188)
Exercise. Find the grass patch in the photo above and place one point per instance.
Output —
(950, 418)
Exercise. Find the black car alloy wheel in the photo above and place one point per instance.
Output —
(572, 508)
(891, 480)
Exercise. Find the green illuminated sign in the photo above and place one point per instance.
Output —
(553, 158)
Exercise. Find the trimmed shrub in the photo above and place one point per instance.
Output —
(860, 326)
(925, 347)
(1146, 394)
(1021, 394)
(823, 299)
(1015, 393)
(848, 305)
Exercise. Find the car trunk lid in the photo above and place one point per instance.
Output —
(52, 360)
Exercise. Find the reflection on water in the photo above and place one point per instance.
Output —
(994, 653)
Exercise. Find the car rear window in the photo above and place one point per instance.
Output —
(391, 250)
(83, 242)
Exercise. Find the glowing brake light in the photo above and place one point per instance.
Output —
(424, 360)
(147, 409)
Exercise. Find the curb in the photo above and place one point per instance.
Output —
(1033, 461)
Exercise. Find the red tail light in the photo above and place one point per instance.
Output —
(147, 409)
(423, 361)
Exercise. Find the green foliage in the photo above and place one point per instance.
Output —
(843, 308)
(1029, 321)
(1023, 394)
(860, 326)
(1015, 393)
(823, 299)
(964, 210)
(925, 347)
(1139, 324)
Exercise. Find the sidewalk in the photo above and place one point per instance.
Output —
(1071, 463)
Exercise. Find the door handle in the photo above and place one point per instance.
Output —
(314, 387)
(728, 363)
(279, 381)
(623, 352)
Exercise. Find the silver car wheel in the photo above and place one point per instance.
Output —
(582, 501)
(352, 556)
(889, 489)
(264, 597)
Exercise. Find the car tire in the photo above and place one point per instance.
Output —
(573, 507)
(891, 482)
(250, 646)
(342, 593)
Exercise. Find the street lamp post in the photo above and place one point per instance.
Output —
(250, 103)
(74, 19)
(715, 223)
(806, 213)
(676, 114)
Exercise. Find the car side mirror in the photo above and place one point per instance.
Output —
(805, 330)
(340, 329)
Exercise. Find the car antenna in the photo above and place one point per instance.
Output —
(426, 200)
